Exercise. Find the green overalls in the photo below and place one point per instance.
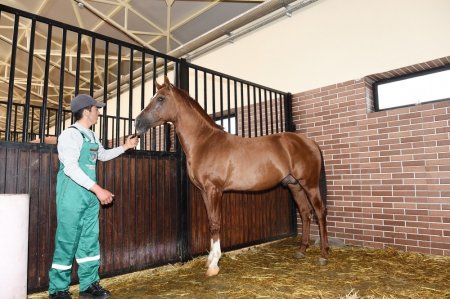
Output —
(77, 225)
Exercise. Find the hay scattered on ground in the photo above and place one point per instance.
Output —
(272, 271)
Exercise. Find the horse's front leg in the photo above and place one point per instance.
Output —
(212, 196)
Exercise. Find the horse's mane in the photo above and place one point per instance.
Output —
(196, 106)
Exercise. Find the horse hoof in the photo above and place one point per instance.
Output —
(212, 271)
(323, 261)
(299, 255)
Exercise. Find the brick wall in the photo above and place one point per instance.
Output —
(388, 172)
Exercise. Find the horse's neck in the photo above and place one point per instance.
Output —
(193, 129)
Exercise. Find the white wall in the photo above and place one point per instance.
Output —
(332, 41)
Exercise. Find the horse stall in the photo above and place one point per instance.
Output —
(158, 217)
(155, 235)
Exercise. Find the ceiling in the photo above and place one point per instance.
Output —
(161, 25)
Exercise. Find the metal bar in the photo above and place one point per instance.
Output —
(61, 82)
(221, 100)
(91, 83)
(42, 123)
(265, 112)
(26, 112)
(154, 132)
(184, 234)
(228, 104)
(261, 129)
(254, 111)
(196, 84)
(130, 92)
(142, 140)
(77, 71)
(242, 110)
(235, 108)
(119, 71)
(283, 127)
(276, 113)
(288, 111)
(105, 97)
(205, 92)
(213, 96)
(11, 78)
(249, 112)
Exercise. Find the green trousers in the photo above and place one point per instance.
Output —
(77, 229)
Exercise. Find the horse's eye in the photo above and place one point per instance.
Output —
(161, 98)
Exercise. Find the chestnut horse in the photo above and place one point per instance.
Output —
(218, 161)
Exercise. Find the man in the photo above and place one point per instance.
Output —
(77, 202)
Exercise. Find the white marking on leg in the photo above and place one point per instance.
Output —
(210, 255)
(213, 268)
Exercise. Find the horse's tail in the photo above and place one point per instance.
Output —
(323, 180)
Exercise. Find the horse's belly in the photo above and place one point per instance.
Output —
(253, 182)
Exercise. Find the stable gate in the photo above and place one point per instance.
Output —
(157, 217)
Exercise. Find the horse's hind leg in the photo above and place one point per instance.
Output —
(304, 209)
(320, 211)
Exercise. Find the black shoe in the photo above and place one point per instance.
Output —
(60, 295)
(95, 291)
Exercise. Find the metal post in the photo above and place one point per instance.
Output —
(183, 185)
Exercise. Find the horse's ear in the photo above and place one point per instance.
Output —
(166, 81)
(158, 86)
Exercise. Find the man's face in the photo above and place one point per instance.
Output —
(92, 115)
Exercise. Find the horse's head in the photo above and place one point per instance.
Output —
(162, 108)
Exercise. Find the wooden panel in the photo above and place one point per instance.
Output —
(142, 228)
(247, 218)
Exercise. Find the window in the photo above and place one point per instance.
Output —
(431, 85)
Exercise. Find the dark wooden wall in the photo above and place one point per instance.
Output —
(143, 227)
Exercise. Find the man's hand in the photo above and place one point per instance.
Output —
(131, 142)
(104, 196)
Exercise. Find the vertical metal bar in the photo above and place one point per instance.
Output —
(221, 100)
(142, 140)
(205, 92)
(105, 97)
(235, 108)
(154, 131)
(11, 78)
(265, 111)
(288, 111)
(276, 112)
(249, 112)
(242, 110)
(196, 84)
(166, 127)
(254, 111)
(228, 104)
(213, 97)
(15, 122)
(130, 91)
(26, 111)
(61, 82)
(261, 129)
(42, 122)
(184, 234)
(119, 71)
(78, 65)
(283, 128)
(91, 83)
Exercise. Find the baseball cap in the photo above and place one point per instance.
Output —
(82, 101)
